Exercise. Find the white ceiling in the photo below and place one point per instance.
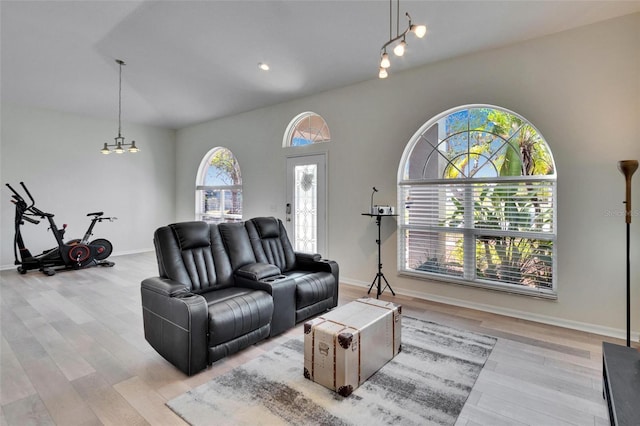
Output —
(191, 61)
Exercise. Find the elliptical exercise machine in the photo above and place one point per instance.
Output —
(74, 254)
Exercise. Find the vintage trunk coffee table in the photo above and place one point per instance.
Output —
(346, 346)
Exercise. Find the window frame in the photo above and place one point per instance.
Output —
(200, 189)
(470, 231)
(287, 141)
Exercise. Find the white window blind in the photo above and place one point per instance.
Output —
(219, 203)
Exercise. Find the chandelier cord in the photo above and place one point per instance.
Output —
(120, 101)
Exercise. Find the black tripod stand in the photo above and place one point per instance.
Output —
(379, 276)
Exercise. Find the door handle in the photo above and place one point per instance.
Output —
(288, 211)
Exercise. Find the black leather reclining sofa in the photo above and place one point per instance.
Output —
(225, 287)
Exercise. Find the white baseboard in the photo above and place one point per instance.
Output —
(125, 253)
(544, 319)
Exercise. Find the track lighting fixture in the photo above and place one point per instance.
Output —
(120, 145)
(419, 30)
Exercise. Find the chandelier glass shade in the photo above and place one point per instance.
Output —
(399, 42)
(119, 146)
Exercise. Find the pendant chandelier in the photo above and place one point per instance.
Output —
(119, 145)
(399, 40)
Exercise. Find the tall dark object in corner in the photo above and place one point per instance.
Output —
(628, 167)
(620, 364)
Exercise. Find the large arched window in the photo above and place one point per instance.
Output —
(306, 129)
(219, 187)
(477, 202)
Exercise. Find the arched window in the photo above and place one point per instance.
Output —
(477, 202)
(219, 187)
(306, 129)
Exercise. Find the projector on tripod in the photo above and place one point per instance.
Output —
(375, 210)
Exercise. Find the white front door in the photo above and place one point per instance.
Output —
(306, 203)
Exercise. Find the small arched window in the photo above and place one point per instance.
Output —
(306, 129)
(219, 187)
(477, 202)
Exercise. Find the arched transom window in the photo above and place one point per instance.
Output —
(477, 202)
(219, 187)
(306, 129)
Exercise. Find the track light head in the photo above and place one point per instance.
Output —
(384, 62)
(400, 48)
(419, 30)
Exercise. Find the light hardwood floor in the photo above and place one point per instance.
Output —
(73, 353)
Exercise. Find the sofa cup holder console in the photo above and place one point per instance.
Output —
(274, 278)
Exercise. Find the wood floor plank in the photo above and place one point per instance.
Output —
(14, 383)
(46, 308)
(27, 411)
(70, 309)
(565, 407)
(588, 360)
(514, 358)
(530, 415)
(13, 328)
(473, 415)
(542, 377)
(62, 401)
(68, 361)
(538, 331)
(102, 361)
(592, 406)
(147, 402)
(110, 406)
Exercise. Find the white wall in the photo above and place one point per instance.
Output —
(58, 156)
(580, 88)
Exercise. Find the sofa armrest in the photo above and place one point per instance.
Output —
(315, 263)
(165, 287)
(310, 257)
(175, 323)
(258, 271)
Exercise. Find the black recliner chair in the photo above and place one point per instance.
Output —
(311, 282)
(225, 287)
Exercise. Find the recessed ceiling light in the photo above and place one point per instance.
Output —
(263, 66)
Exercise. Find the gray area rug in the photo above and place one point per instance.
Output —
(428, 382)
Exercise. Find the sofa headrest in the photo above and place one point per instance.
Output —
(268, 227)
(191, 235)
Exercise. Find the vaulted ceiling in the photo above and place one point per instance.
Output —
(192, 61)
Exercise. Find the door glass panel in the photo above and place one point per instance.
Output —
(306, 208)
